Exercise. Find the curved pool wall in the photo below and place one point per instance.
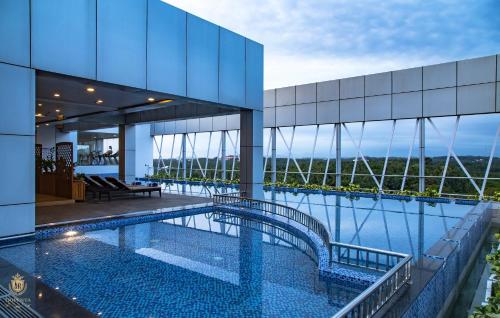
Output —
(438, 262)
(340, 274)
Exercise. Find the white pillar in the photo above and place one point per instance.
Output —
(338, 156)
(143, 150)
(421, 157)
(273, 155)
(223, 154)
(251, 153)
(137, 152)
(183, 156)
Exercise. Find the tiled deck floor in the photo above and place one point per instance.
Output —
(95, 209)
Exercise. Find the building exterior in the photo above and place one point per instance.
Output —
(420, 98)
(109, 65)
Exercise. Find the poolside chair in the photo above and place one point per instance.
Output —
(105, 184)
(96, 189)
(134, 188)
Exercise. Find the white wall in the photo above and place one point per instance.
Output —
(138, 151)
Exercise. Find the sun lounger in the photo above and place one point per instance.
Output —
(133, 188)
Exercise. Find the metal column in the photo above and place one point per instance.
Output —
(223, 155)
(273, 155)
(421, 156)
(338, 156)
(183, 156)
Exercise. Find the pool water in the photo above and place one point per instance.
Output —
(405, 227)
(183, 267)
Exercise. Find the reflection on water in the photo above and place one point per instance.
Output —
(208, 264)
(407, 227)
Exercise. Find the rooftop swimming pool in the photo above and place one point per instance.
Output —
(198, 265)
(216, 261)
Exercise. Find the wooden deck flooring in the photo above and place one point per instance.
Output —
(95, 209)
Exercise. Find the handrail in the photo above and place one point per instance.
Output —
(274, 208)
(377, 295)
(397, 266)
(366, 257)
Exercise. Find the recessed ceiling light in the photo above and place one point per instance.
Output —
(37, 126)
(166, 101)
(39, 115)
(39, 104)
(99, 101)
(57, 95)
(90, 89)
(58, 110)
(151, 99)
(47, 124)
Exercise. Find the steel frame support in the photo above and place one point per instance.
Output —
(410, 151)
(223, 155)
(217, 158)
(235, 150)
(338, 156)
(273, 155)
(456, 158)
(267, 154)
(325, 176)
(159, 149)
(171, 156)
(289, 148)
(193, 146)
(358, 149)
(289, 151)
(312, 155)
(362, 156)
(208, 154)
(490, 160)
(179, 160)
(421, 156)
(450, 147)
(184, 161)
(194, 157)
(380, 189)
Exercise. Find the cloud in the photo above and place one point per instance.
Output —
(307, 41)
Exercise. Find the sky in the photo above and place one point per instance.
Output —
(313, 40)
(316, 40)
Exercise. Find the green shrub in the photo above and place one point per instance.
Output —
(492, 308)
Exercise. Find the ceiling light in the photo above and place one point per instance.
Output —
(58, 110)
(37, 126)
(90, 89)
(57, 95)
(151, 99)
(39, 115)
(99, 101)
(47, 124)
(39, 104)
(166, 101)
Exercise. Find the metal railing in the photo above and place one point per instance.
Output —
(397, 268)
(365, 257)
(278, 209)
